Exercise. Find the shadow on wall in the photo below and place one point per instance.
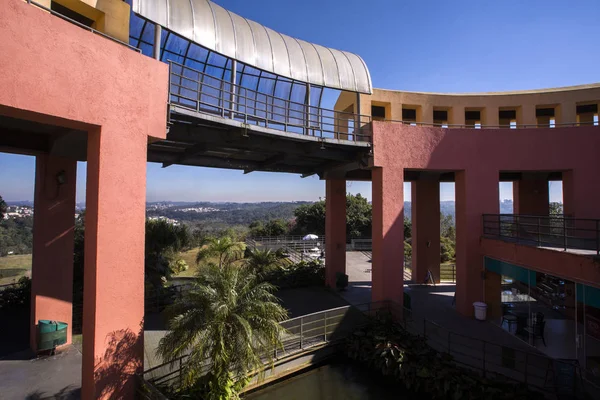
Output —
(121, 360)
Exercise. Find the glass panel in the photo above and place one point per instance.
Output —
(148, 34)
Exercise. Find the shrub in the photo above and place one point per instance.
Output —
(16, 296)
(302, 274)
(395, 353)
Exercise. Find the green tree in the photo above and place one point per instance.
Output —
(227, 322)
(164, 242)
(407, 228)
(556, 208)
(447, 226)
(3, 208)
(274, 227)
(263, 261)
(310, 218)
(224, 249)
(358, 216)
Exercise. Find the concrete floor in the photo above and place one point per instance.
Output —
(55, 377)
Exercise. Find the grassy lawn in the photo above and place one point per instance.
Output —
(190, 258)
(14, 267)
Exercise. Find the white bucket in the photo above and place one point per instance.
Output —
(480, 310)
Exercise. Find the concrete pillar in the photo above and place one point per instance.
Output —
(456, 115)
(476, 194)
(388, 234)
(113, 314)
(335, 229)
(580, 193)
(531, 197)
(526, 115)
(566, 113)
(492, 292)
(53, 232)
(425, 114)
(491, 116)
(425, 229)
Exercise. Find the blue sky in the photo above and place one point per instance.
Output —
(441, 46)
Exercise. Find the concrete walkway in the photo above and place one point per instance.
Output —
(430, 302)
(55, 377)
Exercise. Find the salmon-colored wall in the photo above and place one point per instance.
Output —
(581, 269)
(57, 73)
(388, 235)
(53, 231)
(531, 197)
(477, 157)
(425, 205)
(335, 230)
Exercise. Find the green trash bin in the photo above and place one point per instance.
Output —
(51, 334)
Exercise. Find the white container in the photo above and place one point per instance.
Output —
(480, 310)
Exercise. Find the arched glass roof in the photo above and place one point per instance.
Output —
(214, 28)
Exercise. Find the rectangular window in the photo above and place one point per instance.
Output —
(587, 114)
(378, 112)
(409, 114)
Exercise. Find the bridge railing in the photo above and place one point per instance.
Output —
(204, 93)
(557, 231)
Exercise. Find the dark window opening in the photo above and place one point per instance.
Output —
(71, 14)
(409, 114)
(544, 112)
(378, 112)
(472, 115)
(440, 115)
(507, 114)
(587, 109)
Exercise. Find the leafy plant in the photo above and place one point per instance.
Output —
(228, 324)
(394, 352)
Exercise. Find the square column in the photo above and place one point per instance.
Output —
(581, 193)
(335, 230)
(476, 194)
(531, 197)
(113, 314)
(425, 229)
(493, 294)
(388, 235)
(53, 235)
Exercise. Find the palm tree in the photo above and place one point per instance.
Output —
(262, 261)
(225, 249)
(228, 323)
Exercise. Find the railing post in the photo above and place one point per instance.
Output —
(539, 231)
(325, 331)
(526, 367)
(564, 232)
(301, 333)
(518, 226)
(483, 358)
(157, 38)
(598, 236)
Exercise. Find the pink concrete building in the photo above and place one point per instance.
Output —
(112, 95)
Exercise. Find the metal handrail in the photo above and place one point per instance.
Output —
(482, 126)
(237, 102)
(79, 24)
(557, 231)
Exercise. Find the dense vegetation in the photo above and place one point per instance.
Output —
(226, 324)
(395, 353)
(16, 235)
